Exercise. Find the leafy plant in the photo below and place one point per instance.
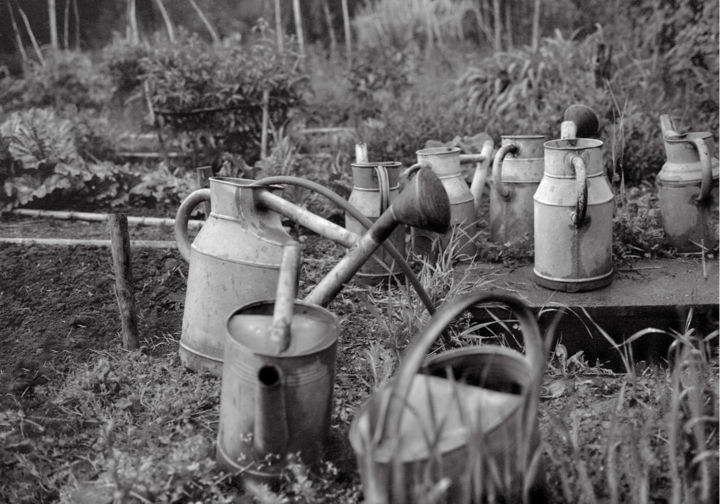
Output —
(217, 89)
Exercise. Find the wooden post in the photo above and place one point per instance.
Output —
(120, 247)
(536, 26)
(265, 124)
(497, 25)
(331, 31)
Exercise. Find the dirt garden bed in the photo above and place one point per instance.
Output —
(82, 420)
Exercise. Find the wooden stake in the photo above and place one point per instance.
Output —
(52, 20)
(120, 247)
(279, 27)
(265, 125)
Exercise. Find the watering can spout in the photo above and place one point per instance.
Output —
(423, 203)
(480, 175)
(270, 435)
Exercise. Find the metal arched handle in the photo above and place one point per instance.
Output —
(502, 190)
(384, 184)
(578, 216)
(183, 215)
(534, 351)
(706, 182)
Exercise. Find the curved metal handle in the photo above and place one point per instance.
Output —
(183, 215)
(510, 148)
(578, 216)
(477, 186)
(384, 184)
(706, 162)
(534, 350)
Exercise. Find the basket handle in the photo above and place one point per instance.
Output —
(391, 418)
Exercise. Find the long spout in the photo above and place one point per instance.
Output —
(477, 186)
(270, 436)
(285, 296)
(423, 203)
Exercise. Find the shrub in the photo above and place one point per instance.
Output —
(198, 87)
(122, 60)
(65, 78)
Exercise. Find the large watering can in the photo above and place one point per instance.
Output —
(517, 171)
(573, 217)
(235, 258)
(470, 419)
(375, 187)
(464, 200)
(688, 188)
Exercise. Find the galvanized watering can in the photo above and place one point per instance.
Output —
(517, 171)
(464, 200)
(235, 258)
(467, 425)
(277, 381)
(375, 187)
(279, 354)
(573, 215)
(688, 188)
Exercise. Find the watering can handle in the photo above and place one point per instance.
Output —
(285, 296)
(578, 216)
(706, 181)
(391, 418)
(384, 183)
(497, 169)
(183, 215)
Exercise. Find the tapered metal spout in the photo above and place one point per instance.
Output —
(270, 436)
(423, 203)
(477, 186)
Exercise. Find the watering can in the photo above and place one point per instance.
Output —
(468, 420)
(464, 201)
(516, 174)
(688, 188)
(235, 258)
(573, 214)
(277, 381)
(375, 187)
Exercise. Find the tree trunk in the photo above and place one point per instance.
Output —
(299, 30)
(497, 24)
(52, 19)
(331, 31)
(348, 37)
(66, 25)
(279, 31)
(536, 26)
(509, 24)
(132, 28)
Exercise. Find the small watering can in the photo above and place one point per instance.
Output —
(375, 187)
(235, 258)
(277, 381)
(688, 188)
(573, 214)
(467, 424)
(464, 200)
(517, 171)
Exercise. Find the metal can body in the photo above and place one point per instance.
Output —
(445, 163)
(517, 172)
(688, 192)
(573, 218)
(234, 259)
(375, 187)
(297, 408)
